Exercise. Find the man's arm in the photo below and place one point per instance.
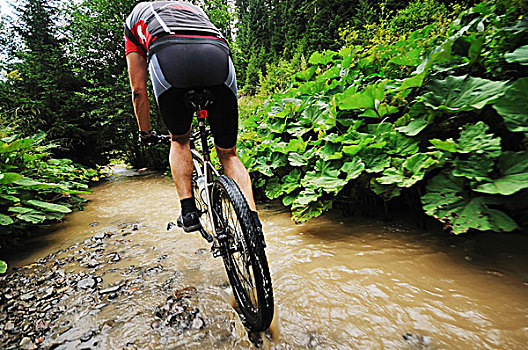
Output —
(137, 71)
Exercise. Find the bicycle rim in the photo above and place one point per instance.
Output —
(243, 254)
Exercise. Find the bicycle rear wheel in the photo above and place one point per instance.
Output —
(243, 254)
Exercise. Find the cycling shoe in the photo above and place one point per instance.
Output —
(190, 222)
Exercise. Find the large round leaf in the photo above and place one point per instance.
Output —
(49, 206)
(520, 55)
(513, 106)
(463, 93)
(447, 201)
(514, 175)
(5, 220)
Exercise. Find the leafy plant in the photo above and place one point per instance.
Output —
(34, 187)
(424, 113)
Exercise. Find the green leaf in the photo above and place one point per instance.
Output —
(49, 206)
(473, 139)
(353, 169)
(322, 58)
(514, 175)
(3, 266)
(369, 98)
(447, 201)
(10, 198)
(35, 185)
(407, 58)
(288, 199)
(462, 93)
(385, 191)
(448, 145)
(476, 168)
(15, 146)
(412, 82)
(292, 181)
(513, 106)
(325, 177)
(519, 55)
(330, 151)
(7, 178)
(400, 144)
(273, 188)
(5, 220)
(414, 127)
(295, 159)
(375, 160)
(32, 217)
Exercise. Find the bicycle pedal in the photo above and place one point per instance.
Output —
(216, 251)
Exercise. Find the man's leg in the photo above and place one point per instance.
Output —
(181, 168)
(181, 164)
(234, 168)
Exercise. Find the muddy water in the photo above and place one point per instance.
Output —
(339, 284)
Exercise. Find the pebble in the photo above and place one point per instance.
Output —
(26, 343)
(110, 290)
(86, 283)
(87, 336)
(9, 327)
(100, 236)
(27, 296)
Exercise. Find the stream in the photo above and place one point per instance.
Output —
(112, 277)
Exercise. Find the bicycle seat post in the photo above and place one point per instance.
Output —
(199, 100)
(202, 115)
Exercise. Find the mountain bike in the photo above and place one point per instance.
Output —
(228, 225)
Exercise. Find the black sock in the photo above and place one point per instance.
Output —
(188, 205)
(257, 219)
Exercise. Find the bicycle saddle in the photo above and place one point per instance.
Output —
(198, 99)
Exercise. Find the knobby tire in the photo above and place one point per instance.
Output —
(243, 254)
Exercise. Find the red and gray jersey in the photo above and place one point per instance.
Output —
(151, 20)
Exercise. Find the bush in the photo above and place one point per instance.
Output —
(432, 113)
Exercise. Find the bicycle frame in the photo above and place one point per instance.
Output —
(207, 172)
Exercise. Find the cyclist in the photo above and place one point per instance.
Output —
(181, 49)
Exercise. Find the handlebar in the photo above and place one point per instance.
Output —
(166, 139)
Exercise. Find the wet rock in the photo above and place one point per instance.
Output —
(9, 327)
(110, 290)
(86, 283)
(47, 293)
(93, 224)
(417, 340)
(27, 296)
(99, 236)
(87, 336)
(115, 257)
(41, 325)
(200, 251)
(26, 343)
(198, 323)
(112, 296)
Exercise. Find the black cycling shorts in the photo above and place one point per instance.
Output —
(177, 67)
